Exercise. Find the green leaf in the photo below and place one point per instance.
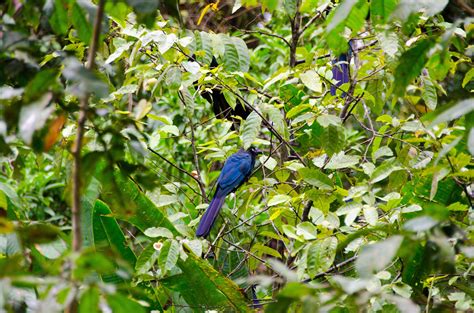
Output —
(173, 77)
(59, 19)
(321, 255)
(81, 24)
(333, 139)
(33, 116)
(380, 10)
(306, 230)
(316, 178)
(311, 80)
(429, 93)
(146, 260)
(356, 19)
(203, 47)
(121, 304)
(155, 232)
(169, 255)
(121, 45)
(107, 234)
(143, 6)
(236, 55)
(377, 256)
(419, 224)
(411, 63)
(201, 285)
(269, 5)
(470, 141)
(250, 129)
(52, 250)
(341, 13)
(384, 170)
(290, 7)
(260, 249)
(468, 78)
(351, 210)
(290, 232)
(278, 120)
(278, 199)
(341, 160)
(146, 213)
(408, 7)
(456, 111)
(89, 302)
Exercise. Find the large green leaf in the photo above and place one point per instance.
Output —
(107, 233)
(250, 129)
(375, 257)
(82, 26)
(59, 18)
(203, 288)
(145, 213)
(236, 55)
(456, 111)
(380, 10)
(321, 255)
(410, 65)
(316, 178)
(169, 255)
(203, 47)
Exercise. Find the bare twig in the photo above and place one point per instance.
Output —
(196, 160)
(175, 166)
(266, 34)
(348, 113)
(310, 22)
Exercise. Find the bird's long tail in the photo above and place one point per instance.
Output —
(210, 216)
(340, 71)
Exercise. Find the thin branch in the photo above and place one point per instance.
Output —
(310, 22)
(307, 208)
(196, 160)
(348, 113)
(331, 269)
(175, 166)
(265, 33)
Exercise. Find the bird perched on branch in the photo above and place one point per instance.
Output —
(236, 171)
(220, 106)
(341, 69)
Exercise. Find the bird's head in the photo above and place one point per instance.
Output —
(254, 151)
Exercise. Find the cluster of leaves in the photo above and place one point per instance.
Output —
(361, 201)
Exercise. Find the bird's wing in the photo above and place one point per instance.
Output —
(235, 171)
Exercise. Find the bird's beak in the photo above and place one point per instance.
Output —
(258, 151)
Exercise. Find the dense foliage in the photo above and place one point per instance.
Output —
(362, 200)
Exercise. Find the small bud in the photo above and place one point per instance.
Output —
(195, 174)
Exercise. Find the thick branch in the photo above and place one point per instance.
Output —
(295, 34)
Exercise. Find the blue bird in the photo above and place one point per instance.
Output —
(341, 69)
(236, 171)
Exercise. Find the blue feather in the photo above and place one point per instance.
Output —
(236, 171)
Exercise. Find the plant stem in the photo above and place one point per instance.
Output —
(81, 121)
